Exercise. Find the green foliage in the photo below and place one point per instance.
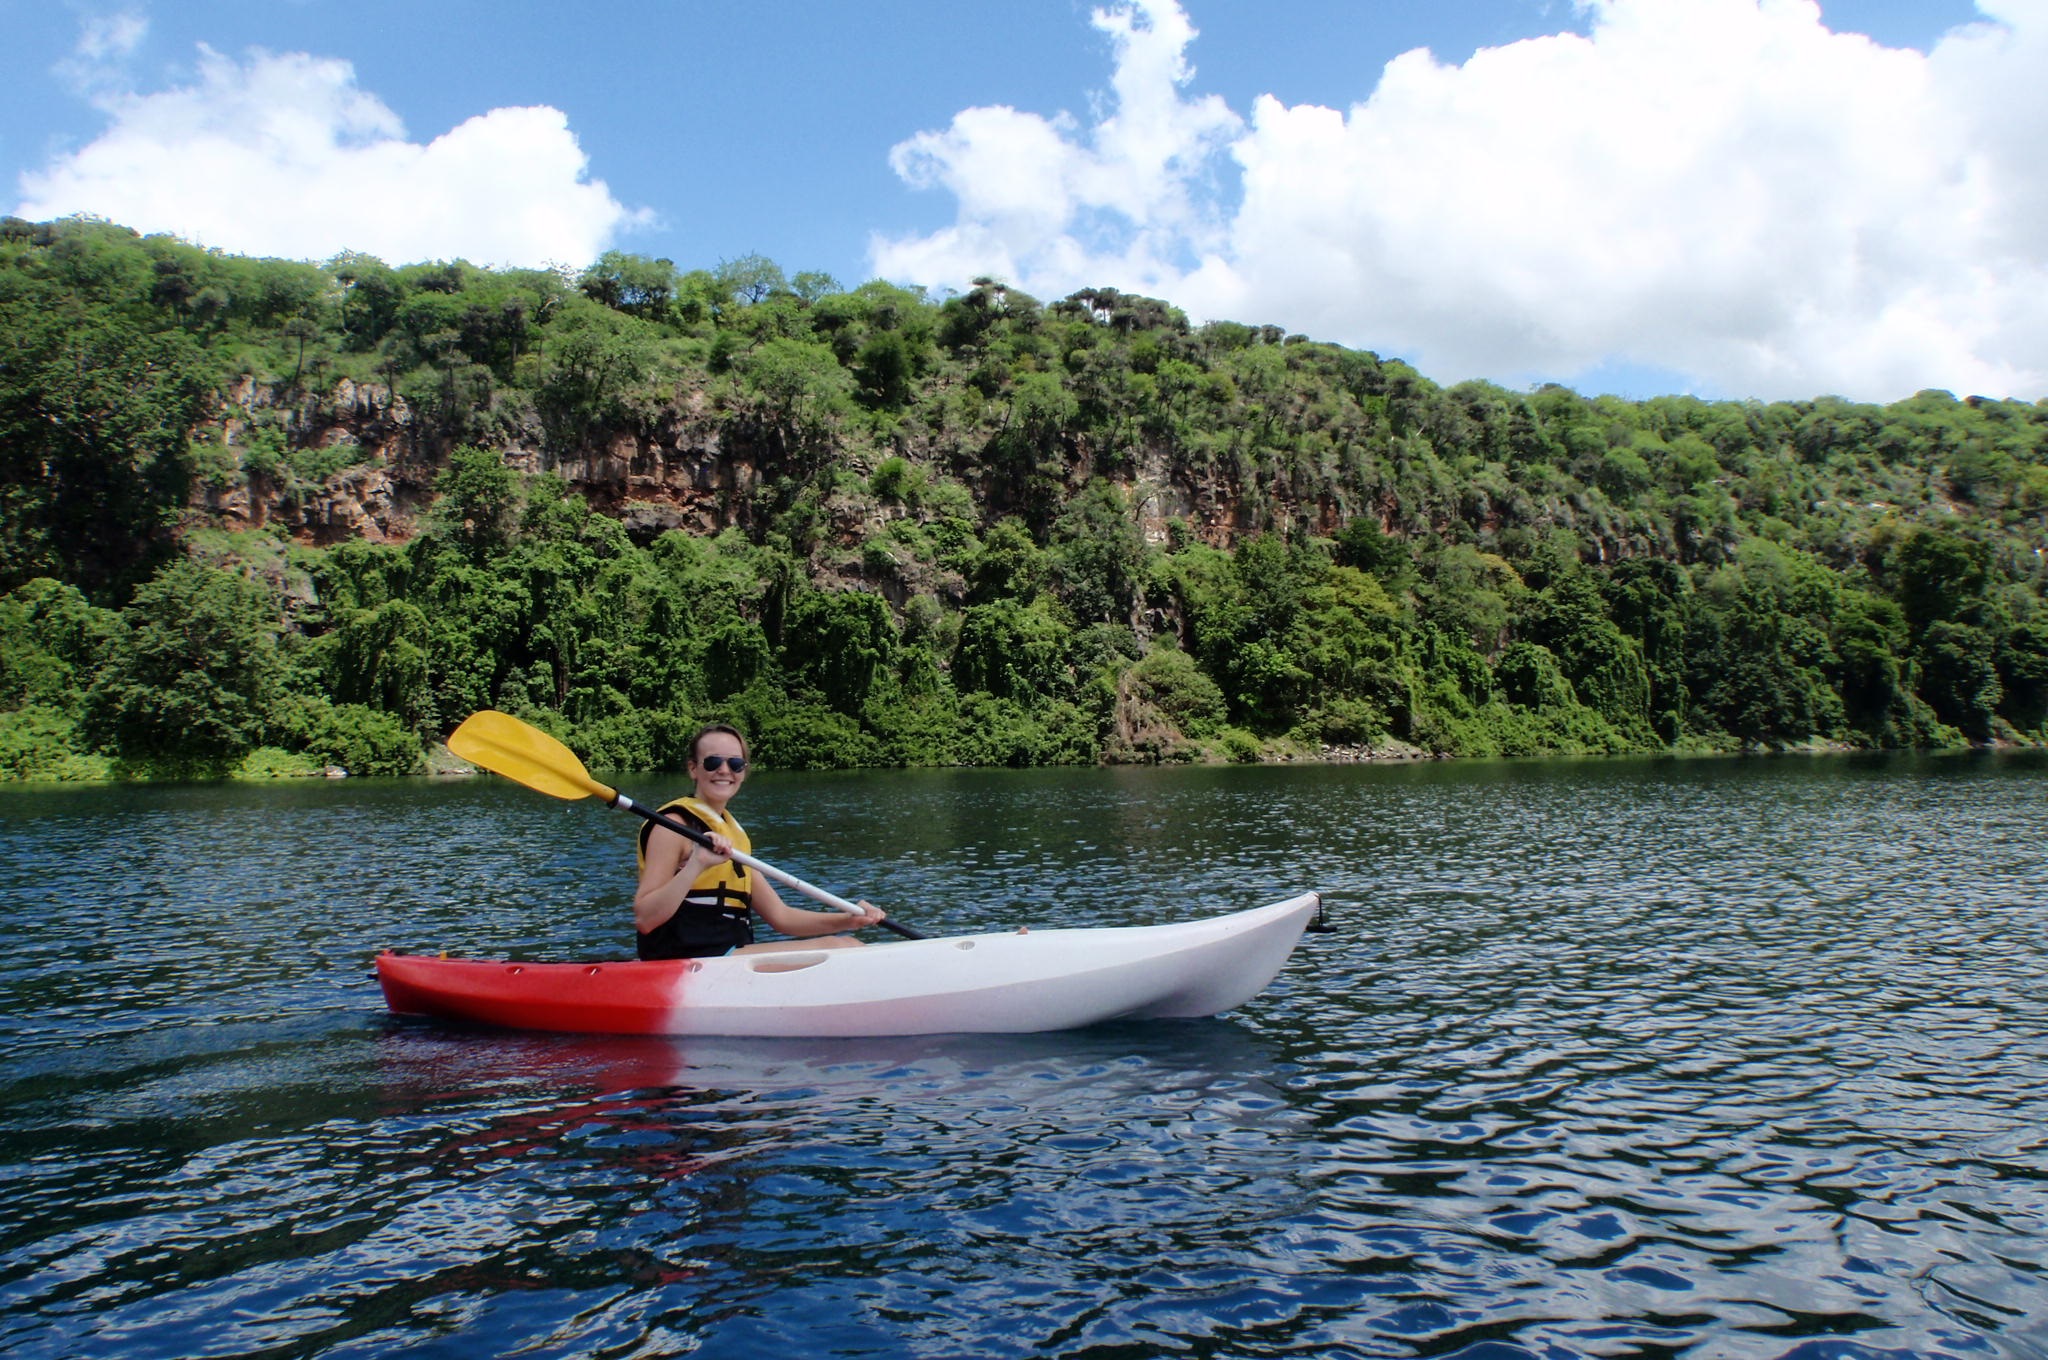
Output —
(1012, 651)
(972, 529)
(191, 673)
(1941, 577)
(38, 742)
(1959, 671)
(800, 385)
(837, 643)
(98, 402)
(1240, 746)
(1761, 650)
(274, 762)
(631, 283)
(2023, 677)
(802, 732)
(1365, 546)
(1170, 682)
(1097, 556)
(51, 642)
(354, 737)
(478, 500)
(1167, 705)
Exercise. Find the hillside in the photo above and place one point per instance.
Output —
(263, 515)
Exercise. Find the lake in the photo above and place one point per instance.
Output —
(1727, 1058)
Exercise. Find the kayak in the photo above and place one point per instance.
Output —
(1019, 982)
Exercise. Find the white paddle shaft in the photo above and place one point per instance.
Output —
(783, 876)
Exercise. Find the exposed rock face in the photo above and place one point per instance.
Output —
(682, 474)
(387, 477)
(362, 462)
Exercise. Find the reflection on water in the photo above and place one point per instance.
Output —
(1724, 1058)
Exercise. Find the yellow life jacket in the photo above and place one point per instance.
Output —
(724, 885)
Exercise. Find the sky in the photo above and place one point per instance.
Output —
(1728, 198)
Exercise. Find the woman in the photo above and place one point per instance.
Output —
(695, 901)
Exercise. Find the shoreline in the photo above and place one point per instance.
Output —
(443, 764)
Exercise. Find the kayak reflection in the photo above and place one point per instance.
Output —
(424, 1064)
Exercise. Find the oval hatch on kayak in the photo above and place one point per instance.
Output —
(785, 963)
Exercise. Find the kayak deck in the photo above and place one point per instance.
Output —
(1017, 982)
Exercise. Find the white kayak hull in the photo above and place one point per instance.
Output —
(1010, 983)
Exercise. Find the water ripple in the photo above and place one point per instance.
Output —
(1733, 1059)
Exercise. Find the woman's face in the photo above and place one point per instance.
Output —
(718, 749)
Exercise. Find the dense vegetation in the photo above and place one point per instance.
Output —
(970, 529)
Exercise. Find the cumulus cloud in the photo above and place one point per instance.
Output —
(1725, 189)
(282, 154)
(105, 43)
(1045, 197)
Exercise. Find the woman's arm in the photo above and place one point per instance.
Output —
(673, 864)
(801, 924)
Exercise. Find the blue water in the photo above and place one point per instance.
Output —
(1713, 1058)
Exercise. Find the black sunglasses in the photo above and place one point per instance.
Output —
(738, 763)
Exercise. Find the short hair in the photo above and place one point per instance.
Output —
(708, 729)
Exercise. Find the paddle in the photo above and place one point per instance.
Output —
(501, 743)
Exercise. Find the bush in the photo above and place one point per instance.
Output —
(1240, 746)
(361, 740)
(273, 762)
(1528, 676)
(915, 730)
(803, 734)
(1344, 721)
(998, 731)
(1170, 681)
(644, 739)
(40, 742)
(192, 674)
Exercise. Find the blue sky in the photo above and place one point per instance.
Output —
(1519, 206)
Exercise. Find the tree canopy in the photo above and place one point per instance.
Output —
(884, 527)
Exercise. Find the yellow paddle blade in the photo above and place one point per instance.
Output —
(504, 745)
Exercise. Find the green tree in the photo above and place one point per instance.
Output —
(1008, 565)
(2023, 676)
(1604, 665)
(1941, 576)
(1097, 556)
(1011, 651)
(96, 407)
(1167, 683)
(190, 678)
(1369, 548)
(631, 283)
(1871, 672)
(800, 384)
(1761, 652)
(52, 639)
(595, 359)
(837, 642)
(477, 502)
(1959, 665)
(751, 278)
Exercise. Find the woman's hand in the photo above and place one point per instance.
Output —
(714, 847)
(865, 914)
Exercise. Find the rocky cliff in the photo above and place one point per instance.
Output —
(359, 461)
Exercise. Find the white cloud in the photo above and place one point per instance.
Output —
(106, 37)
(282, 154)
(1039, 196)
(105, 43)
(1721, 188)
